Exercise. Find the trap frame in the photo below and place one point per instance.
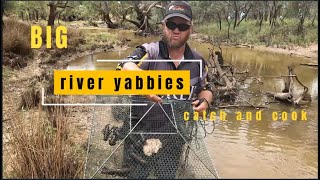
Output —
(122, 151)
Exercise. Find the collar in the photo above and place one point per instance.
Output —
(179, 59)
(165, 53)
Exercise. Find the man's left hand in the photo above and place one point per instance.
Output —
(202, 107)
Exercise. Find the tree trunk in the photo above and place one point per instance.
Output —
(246, 14)
(229, 24)
(106, 15)
(37, 15)
(265, 17)
(276, 10)
(235, 14)
(304, 13)
(140, 16)
(133, 22)
(22, 16)
(43, 16)
(29, 16)
(206, 16)
(300, 25)
(59, 17)
(108, 21)
(269, 12)
(33, 15)
(260, 23)
(219, 18)
(52, 14)
(312, 21)
(221, 73)
(143, 15)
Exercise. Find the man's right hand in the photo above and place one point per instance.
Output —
(133, 66)
(154, 98)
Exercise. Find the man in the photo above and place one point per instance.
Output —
(177, 27)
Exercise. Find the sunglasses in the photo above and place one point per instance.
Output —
(172, 26)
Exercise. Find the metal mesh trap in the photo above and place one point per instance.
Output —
(162, 118)
(152, 141)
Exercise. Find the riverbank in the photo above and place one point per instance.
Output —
(308, 52)
(284, 33)
(311, 51)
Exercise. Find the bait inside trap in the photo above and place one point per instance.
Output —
(151, 141)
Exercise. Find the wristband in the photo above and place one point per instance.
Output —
(201, 101)
(208, 87)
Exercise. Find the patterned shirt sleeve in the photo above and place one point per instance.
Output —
(204, 79)
(137, 57)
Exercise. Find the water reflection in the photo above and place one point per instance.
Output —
(314, 88)
(84, 63)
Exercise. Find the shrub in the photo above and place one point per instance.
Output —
(16, 38)
(283, 33)
(42, 150)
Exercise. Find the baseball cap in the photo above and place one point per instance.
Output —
(180, 9)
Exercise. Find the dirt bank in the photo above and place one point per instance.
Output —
(296, 51)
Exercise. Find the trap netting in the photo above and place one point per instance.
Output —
(152, 141)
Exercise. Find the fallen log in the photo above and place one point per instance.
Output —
(221, 73)
(225, 88)
(288, 83)
(280, 96)
(287, 93)
(308, 64)
(243, 106)
(302, 97)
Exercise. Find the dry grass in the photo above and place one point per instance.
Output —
(53, 112)
(16, 38)
(16, 44)
(31, 96)
(75, 40)
(41, 150)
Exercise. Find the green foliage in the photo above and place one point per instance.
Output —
(206, 16)
(26, 9)
(248, 32)
(101, 39)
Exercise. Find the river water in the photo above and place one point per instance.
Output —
(263, 148)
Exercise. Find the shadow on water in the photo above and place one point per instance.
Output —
(252, 149)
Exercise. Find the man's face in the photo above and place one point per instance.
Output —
(176, 38)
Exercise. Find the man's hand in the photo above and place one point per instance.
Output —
(201, 108)
(133, 66)
(207, 97)
(154, 98)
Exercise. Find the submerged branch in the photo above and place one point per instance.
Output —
(243, 106)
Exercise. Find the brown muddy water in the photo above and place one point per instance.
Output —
(251, 149)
